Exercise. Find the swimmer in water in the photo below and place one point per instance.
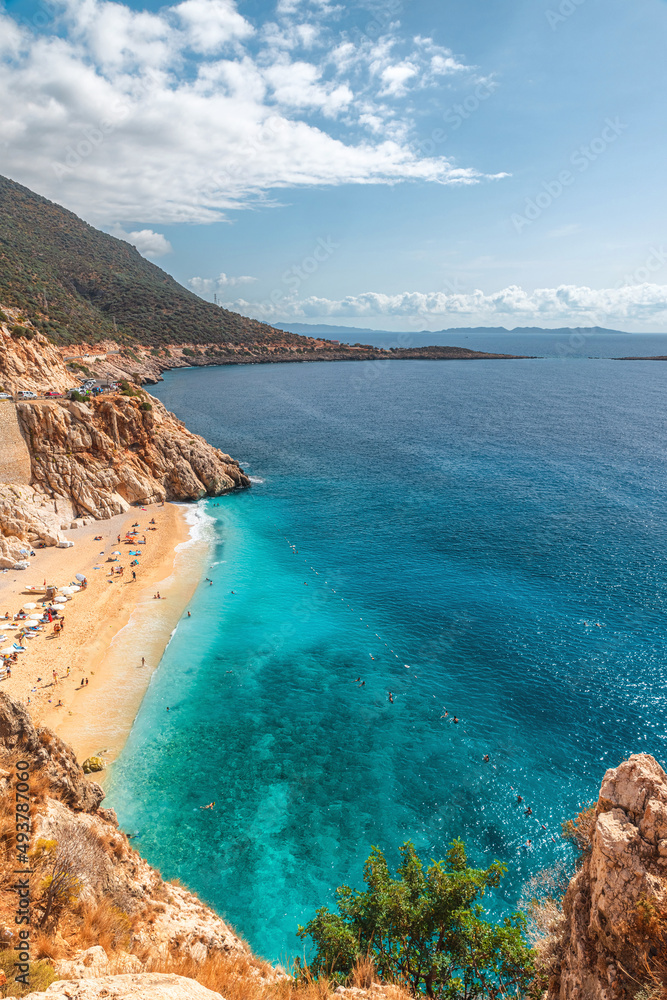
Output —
(519, 798)
(456, 720)
(209, 806)
(528, 811)
(391, 698)
(485, 758)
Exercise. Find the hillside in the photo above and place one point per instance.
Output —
(78, 284)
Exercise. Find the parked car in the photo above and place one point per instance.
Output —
(26, 394)
(53, 393)
(5, 395)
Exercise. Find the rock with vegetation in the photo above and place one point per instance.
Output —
(612, 942)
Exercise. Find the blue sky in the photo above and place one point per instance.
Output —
(397, 164)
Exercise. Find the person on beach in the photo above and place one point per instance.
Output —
(143, 661)
(189, 615)
(55, 677)
(134, 575)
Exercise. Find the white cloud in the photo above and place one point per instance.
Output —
(206, 286)
(569, 304)
(148, 243)
(182, 114)
(211, 24)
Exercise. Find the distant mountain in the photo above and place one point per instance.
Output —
(354, 332)
(78, 284)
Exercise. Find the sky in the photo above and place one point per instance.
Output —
(389, 164)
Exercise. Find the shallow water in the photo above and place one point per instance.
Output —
(474, 521)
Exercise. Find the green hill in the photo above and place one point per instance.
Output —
(78, 284)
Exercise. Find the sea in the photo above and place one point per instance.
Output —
(423, 542)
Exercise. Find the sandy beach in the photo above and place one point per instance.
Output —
(109, 626)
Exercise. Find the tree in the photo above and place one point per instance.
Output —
(424, 929)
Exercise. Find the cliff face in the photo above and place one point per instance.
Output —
(29, 364)
(113, 452)
(614, 939)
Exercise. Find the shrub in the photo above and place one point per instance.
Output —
(3, 317)
(146, 406)
(580, 829)
(19, 331)
(424, 929)
(77, 396)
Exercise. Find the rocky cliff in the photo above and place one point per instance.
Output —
(613, 939)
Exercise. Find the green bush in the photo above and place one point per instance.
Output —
(19, 331)
(424, 929)
(146, 406)
(77, 396)
(3, 317)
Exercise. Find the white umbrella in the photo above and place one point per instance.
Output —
(75, 589)
(80, 577)
(60, 600)
(36, 617)
(7, 650)
(67, 590)
(29, 606)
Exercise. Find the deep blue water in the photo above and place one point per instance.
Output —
(474, 520)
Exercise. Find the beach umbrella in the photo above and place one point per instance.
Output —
(80, 577)
(23, 552)
(75, 589)
(29, 606)
(35, 617)
(115, 552)
(8, 650)
(60, 600)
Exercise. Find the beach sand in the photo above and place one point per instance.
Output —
(109, 626)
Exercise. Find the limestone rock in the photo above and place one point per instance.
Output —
(95, 962)
(111, 453)
(605, 950)
(46, 750)
(144, 986)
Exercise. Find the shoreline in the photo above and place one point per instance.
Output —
(108, 628)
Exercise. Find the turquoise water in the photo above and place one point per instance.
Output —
(474, 521)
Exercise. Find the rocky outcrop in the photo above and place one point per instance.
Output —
(147, 986)
(118, 450)
(29, 362)
(615, 909)
(53, 758)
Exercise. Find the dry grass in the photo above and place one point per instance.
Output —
(363, 973)
(580, 829)
(243, 977)
(100, 922)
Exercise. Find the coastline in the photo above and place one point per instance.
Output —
(109, 627)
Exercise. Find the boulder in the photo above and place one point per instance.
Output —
(143, 986)
(91, 764)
